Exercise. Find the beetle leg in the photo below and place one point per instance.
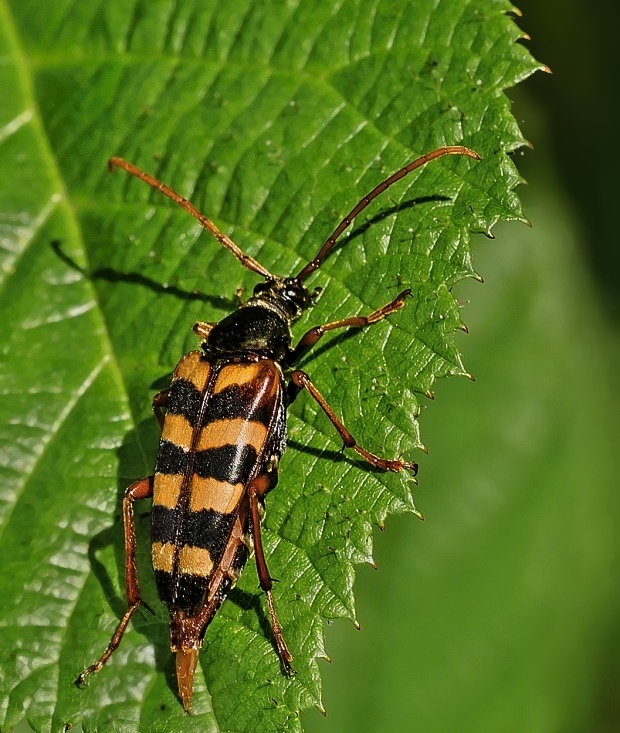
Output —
(310, 338)
(202, 329)
(142, 489)
(239, 295)
(300, 380)
(257, 488)
(160, 400)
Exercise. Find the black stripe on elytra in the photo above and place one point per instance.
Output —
(184, 399)
(206, 528)
(171, 458)
(186, 592)
(238, 401)
(190, 592)
(164, 523)
(165, 585)
(231, 463)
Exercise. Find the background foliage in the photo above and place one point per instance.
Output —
(205, 100)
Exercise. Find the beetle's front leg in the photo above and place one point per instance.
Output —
(311, 337)
(257, 488)
(300, 380)
(142, 489)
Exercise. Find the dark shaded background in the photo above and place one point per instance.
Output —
(579, 41)
(579, 105)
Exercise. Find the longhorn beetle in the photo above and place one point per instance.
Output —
(223, 433)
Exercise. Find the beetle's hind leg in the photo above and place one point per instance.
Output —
(142, 489)
(300, 380)
(257, 488)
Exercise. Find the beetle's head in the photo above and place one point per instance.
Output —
(287, 293)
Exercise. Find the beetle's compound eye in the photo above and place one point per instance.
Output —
(297, 294)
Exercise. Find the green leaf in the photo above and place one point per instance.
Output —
(504, 605)
(274, 119)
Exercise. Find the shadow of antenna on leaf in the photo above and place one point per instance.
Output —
(111, 275)
(396, 209)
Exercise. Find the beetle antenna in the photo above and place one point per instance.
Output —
(225, 241)
(376, 191)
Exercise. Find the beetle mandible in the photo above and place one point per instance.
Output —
(223, 433)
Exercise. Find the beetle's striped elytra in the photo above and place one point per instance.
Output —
(223, 433)
(218, 426)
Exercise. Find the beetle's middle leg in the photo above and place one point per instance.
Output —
(257, 488)
(300, 380)
(311, 337)
(142, 489)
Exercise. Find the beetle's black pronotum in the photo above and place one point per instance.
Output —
(223, 433)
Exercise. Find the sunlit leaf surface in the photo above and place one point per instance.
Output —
(274, 119)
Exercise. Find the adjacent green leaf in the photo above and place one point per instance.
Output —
(274, 119)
